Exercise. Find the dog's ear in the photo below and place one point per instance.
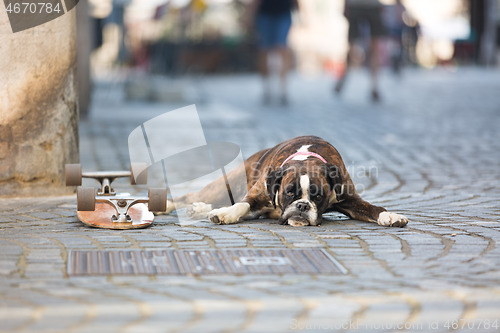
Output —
(273, 183)
(334, 178)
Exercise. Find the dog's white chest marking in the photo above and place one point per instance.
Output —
(303, 149)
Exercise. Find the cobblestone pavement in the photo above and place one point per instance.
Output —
(430, 150)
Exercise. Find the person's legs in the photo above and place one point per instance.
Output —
(396, 37)
(374, 67)
(284, 56)
(377, 31)
(282, 27)
(264, 31)
(273, 33)
(263, 65)
(343, 75)
(353, 33)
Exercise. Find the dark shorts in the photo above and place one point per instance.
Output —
(363, 21)
(273, 29)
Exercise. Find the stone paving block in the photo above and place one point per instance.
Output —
(8, 267)
(37, 241)
(109, 239)
(177, 233)
(73, 240)
(15, 316)
(116, 245)
(383, 317)
(155, 245)
(9, 248)
(43, 215)
(186, 244)
(216, 312)
(164, 317)
(275, 314)
(66, 212)
(189, 294)
(44, 273)
(231, 243)
(348, 250)
(59, 318)
(147, 237)
(307, 244)
(110, 316)
(66, 220)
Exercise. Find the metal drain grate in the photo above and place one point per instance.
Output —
(198, 262)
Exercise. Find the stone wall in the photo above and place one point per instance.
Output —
(38, 107)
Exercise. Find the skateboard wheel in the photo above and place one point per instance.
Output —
(157, 200)
(138, 173)
(73, 173)
(85, 199)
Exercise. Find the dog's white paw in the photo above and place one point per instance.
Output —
(198, 210)
(229, 215)
(388, 219)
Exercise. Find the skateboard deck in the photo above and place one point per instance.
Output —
(108, 209)
(101, 217)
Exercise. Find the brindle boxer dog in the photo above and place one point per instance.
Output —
(295, 182)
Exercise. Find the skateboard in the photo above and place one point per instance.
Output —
(110, 210)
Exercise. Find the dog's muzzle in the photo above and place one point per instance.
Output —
(300, 213)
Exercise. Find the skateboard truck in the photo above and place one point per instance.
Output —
(110, 210)
(122, 206)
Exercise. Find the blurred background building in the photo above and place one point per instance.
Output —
(179, 37)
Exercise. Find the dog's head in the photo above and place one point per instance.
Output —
(304, 191)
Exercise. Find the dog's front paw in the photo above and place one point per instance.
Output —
(229, 215)
(223, 216)
(198, 210)
(388, 219)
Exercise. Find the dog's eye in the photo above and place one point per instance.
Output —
(317, 197)
(290, 194)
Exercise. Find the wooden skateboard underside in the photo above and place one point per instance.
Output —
(101, 217)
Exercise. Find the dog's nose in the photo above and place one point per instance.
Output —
(302, 206)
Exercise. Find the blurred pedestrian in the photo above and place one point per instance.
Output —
(395, 25)
(273, 19)
(365, 22)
